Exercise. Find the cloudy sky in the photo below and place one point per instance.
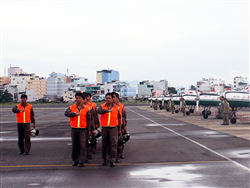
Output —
(180, 41)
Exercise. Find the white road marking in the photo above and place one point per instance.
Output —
(34, 184)
(162, 124)
(5, 132)
(2, 139)
(8, 122)
(238, 164)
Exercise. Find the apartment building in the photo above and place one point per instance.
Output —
(38, 85)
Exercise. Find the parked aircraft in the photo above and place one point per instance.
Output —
(237, 100)
(207, 100)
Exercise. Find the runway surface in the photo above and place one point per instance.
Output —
(162, 152)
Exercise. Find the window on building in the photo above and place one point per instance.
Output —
(22, 78)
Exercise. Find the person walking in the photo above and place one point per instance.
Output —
(171, 105)
(110, 120)
(226, 111)
(183, 106)
(222, 107)
(80, 121)
(24, 114)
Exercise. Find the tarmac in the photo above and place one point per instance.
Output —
(241, 129)
(164, 150)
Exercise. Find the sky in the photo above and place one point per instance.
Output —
(180, 41)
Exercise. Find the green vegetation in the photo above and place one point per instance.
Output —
(5, 96)
(172, 90)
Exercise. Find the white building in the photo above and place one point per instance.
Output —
(146, 87)
(206, 85)
(240, 83)
(116, 86)
(20, 80)
(57, 83)
(69, 96)
(56, 86)
(15, 70)
(31, 96)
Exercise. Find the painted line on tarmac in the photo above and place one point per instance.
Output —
(118, 164)
(197, 143)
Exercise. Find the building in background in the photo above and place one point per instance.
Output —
(129, 92)
(148, 88)
(240, 83)
(57, 83)
(15, 71)
(38, 84)
(206, 85)
(95, 89)
(4, 80)
(145, 89)
(31, 96)
(20, 80)
(107, 76)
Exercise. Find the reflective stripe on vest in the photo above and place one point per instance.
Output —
(24, 117)
(109, 118)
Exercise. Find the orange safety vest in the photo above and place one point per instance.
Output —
(23, 117)
(79, 121)
(110, 119)
(93, 105)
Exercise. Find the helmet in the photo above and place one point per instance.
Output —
(97, 133)
(34, 132)
(125, 137)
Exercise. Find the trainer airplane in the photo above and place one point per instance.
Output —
(207, 100)
(237, 100)
(189, 97)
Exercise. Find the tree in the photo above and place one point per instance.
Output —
(192, 87)
(5, 96)
(172, 90)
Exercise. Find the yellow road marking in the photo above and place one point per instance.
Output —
(118, 164)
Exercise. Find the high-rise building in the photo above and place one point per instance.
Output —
(107, 76)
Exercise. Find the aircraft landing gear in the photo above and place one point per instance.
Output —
(187, 113)
(176, 111)
(233, 120)
(191, 111)
(206, 113)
